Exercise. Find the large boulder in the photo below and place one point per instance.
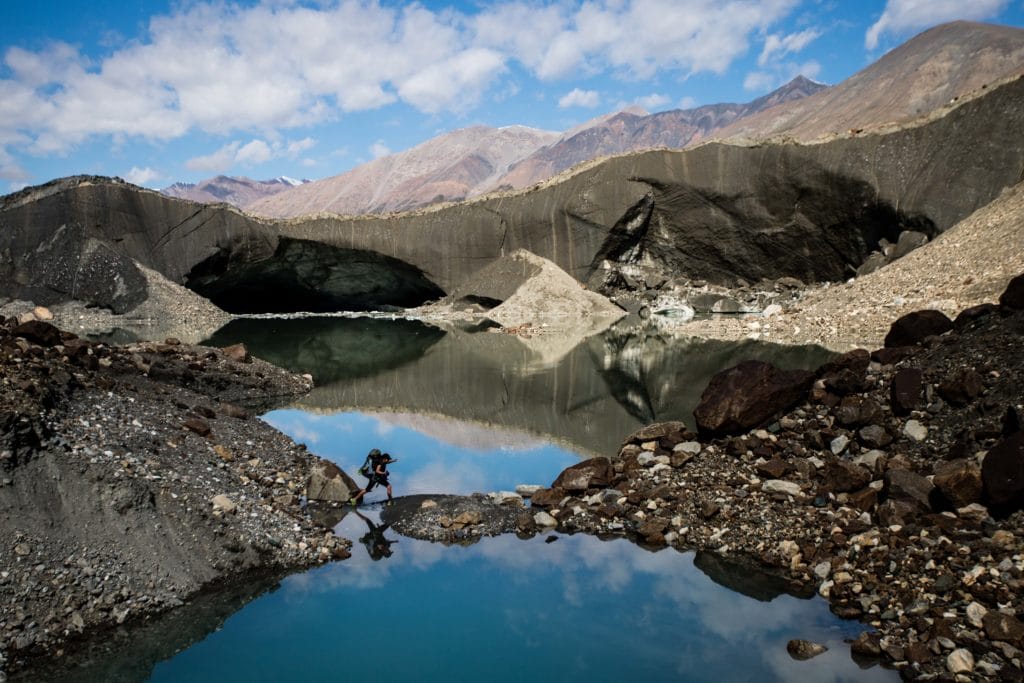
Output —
(915, 327)
(593, 473)
(905, 390)
(329, 482)
(959, 481)
(1002, 474)
(1013, 296)
(747, 396)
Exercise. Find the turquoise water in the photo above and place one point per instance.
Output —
(467, 412)
(578, 609)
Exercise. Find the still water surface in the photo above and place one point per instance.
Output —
(467, 412)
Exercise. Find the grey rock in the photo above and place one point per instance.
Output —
(789, 488)
(915, 431)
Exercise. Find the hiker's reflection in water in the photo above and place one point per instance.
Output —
(377, 546)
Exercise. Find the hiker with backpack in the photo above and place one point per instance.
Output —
(375, 469)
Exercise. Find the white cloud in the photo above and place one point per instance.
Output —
(218, 162)
(281, 64)
(902, 16)
(776, 46)
(702, 35)
(687, 102)
(379, 149)
(580, 98)
(142, 176)
(297, 147)
(653, 101)
(254, 153)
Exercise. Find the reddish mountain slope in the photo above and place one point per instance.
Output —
(924, 73)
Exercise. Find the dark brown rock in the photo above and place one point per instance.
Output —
(855, 411)
(1013, 296)
(905, 390)
(897, 511)
(38, 332)
(547, 497)
(915, 327)
(197, 425)
(842, 476)
(660, 430)
(874, 436)
(748, 395)
(1002, 474)
(999, 626)
(959, 481)
(894, 355)
(909, 486)
(866, 645)
(962, 387)
(803, 650)
(592, 473)
(776, 468)
(653, 530)
(1012, 421)
(864, 500)
(846, 374)
(238, 353)
(970, 315)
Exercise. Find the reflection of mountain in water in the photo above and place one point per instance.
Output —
(658, 378)
(329, 348)
(592, 398)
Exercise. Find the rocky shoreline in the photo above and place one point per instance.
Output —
(892, 483)
(133, 479)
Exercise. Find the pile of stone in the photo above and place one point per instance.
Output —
(132, 477)
(892, 482)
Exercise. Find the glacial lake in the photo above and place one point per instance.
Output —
(473, 411)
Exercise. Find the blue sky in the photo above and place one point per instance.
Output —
(158, 92)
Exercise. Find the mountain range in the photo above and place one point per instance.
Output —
(937, 66)
(237, 191)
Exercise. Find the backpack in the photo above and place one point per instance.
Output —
(370, 464)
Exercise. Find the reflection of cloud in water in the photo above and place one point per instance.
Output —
(469, 435)
(438, 477)
(707, 623)
(298, 426)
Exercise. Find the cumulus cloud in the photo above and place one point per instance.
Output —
(580, 98)
(902, 16)
(252, 153)
(379, 149)
(297, 147)
(777, 46)
(142, 176)
(231, 70)
(653, 101)
(217, 162)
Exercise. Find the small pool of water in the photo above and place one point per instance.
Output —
(466, 413)
(505, 609)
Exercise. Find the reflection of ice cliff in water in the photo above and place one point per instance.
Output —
(593, 397)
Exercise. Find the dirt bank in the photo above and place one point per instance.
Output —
(132, 478)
